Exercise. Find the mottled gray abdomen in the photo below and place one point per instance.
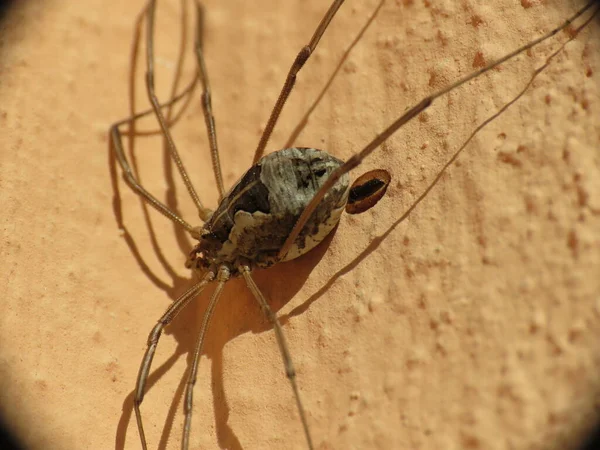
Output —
(259, 212)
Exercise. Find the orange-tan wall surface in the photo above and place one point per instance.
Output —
(472, 322)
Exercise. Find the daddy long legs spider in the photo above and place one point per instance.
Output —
(436, 77)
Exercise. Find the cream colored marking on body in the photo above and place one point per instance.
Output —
(234, 199)
(242, 221)
(313, 239)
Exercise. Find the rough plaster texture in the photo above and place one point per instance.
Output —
(473, 323)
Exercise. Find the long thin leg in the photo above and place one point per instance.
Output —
(185, 93)
(313, 106)
(222, 278)
(207, 103)
(356, 159)
(172, 311)
(174, 96)
(202, 211)
(117, 146)
(130, 179)
(283, 348)
(301, 58)
(118, 212)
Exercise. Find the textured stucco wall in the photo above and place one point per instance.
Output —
(473, 323)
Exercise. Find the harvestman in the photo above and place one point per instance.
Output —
(283, 206)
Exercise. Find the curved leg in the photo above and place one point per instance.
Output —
(129, 177)
(298, 63)
(356, 159)
(285, 353)
(172, 311)
(222, 278)
(202, 211)
(117, 141)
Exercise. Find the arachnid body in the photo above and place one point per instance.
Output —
(258, 213)
(231, 243)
